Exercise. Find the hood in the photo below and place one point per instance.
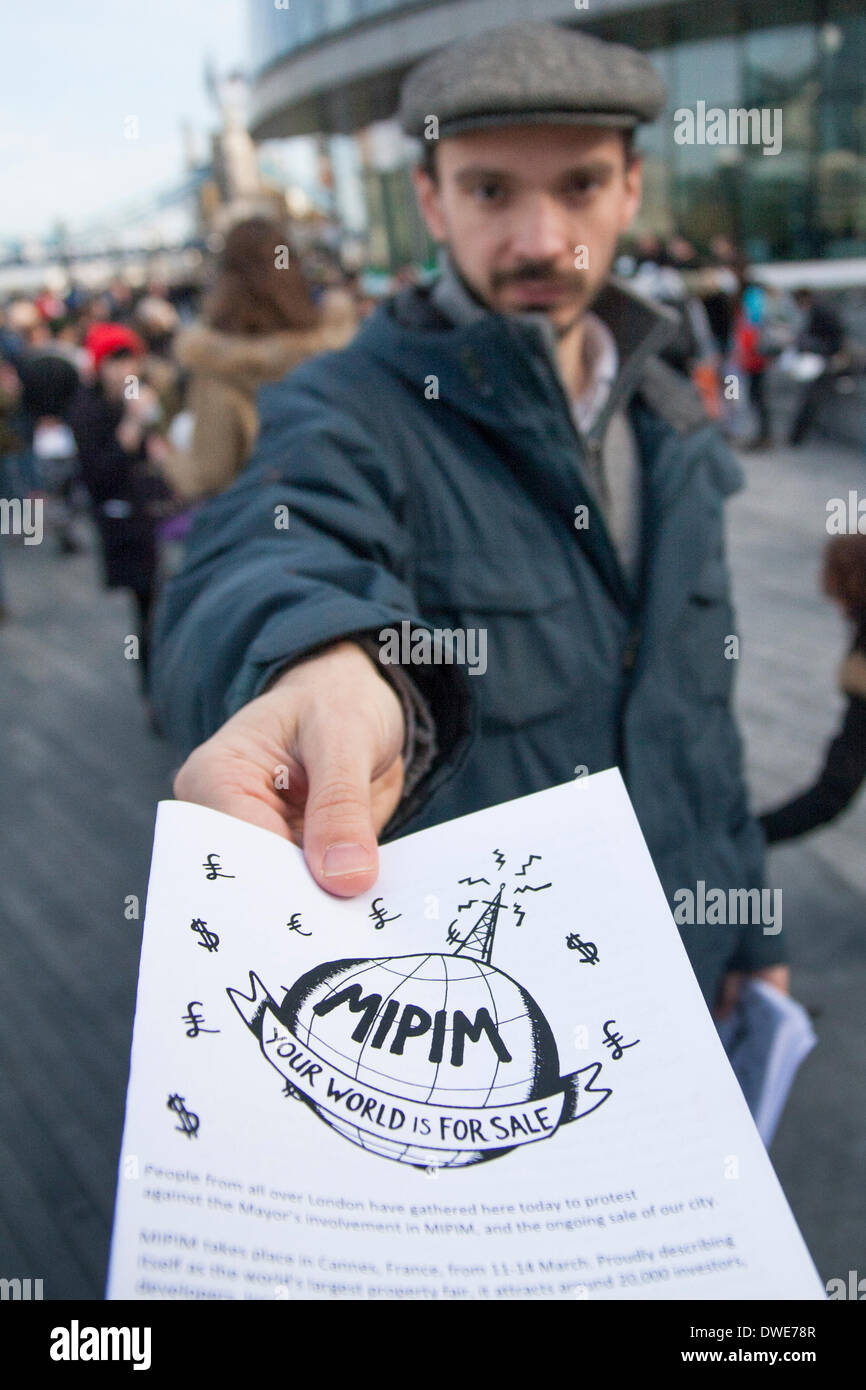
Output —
(246, 362)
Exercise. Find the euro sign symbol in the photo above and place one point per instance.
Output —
(209, 939)
(188, 1120)
(588, 949)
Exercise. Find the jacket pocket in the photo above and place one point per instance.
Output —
(530, 627)
(458, 579)
(709, 623)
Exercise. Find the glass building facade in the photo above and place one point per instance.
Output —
(275, 32)
(803, 58)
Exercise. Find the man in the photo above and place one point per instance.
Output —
(492, 458)
(111, 429)
(823, 334)
(750, 328)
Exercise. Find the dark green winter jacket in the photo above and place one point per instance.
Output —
(431, 474)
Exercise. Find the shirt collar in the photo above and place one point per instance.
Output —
(600, 368)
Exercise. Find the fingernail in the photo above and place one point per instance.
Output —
(341, 860)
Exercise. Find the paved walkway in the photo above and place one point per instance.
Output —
(792, 643)
(81, 775)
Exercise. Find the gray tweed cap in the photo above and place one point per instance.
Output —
(535, 73)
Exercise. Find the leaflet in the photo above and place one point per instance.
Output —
(491, 1077)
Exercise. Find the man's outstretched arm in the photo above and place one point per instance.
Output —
(293, 725)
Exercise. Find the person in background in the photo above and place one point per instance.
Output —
(49, 382)
(844, 770)
(649, 250)
(260, 321)
(823, 334)
(10, 396)
(693, 351)
(111, 420)
(25, 337)
(95, 308)
(681, 254)
(66, 342)
(10, 442)
(751, 360)
(24, 329)
(121, 300)
(156, 321)
(720, 289)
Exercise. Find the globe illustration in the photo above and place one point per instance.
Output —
(446, 1030)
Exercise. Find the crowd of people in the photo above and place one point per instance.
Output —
(123, 404)
(733, 325)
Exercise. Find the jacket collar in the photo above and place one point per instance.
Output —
(452, 297)
(631, 318)
(640, 330)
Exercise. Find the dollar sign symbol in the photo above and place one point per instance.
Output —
(588, 949)
(209, 939)
(188, 1119)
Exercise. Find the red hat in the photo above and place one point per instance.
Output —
(103, 338)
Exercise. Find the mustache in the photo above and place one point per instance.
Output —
(539, 273)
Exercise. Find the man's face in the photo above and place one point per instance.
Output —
(516, 206)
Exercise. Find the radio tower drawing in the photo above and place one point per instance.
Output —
(478, 941)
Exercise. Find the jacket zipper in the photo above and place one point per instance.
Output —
(592, 446)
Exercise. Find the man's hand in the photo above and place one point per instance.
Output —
(732, 985)
(316, 759)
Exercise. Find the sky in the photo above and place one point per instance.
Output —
(73, 72)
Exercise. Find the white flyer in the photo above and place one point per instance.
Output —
(491, 1077)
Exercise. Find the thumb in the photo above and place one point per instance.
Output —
(340, 843)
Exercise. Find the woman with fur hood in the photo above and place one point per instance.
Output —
(259, 322)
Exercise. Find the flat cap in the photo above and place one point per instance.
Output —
(535, 73)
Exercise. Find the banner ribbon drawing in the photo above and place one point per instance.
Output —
(424, 1124)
